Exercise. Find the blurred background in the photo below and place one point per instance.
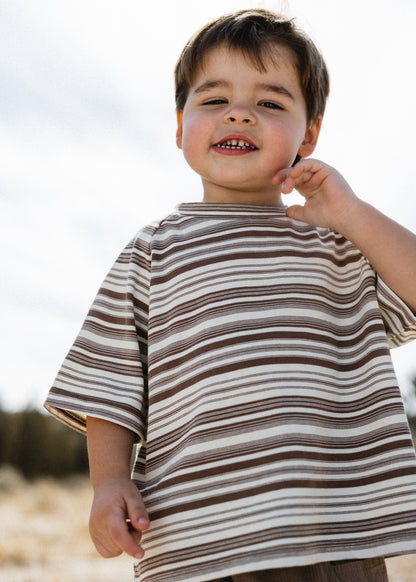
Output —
(88, 156)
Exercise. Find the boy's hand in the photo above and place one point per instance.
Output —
(328, 198)
(118, 517)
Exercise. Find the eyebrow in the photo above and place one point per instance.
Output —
(214, 84)
(211, 85)
(278, 89)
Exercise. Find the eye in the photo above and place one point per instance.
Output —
(270, 105)
(215, 102)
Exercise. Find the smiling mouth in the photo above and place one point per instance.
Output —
(235, 144)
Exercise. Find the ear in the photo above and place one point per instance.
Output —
(311, 139)
(179, 130)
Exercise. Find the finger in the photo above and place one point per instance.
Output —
(303, 184)
(280, 177)
(108, 550)
(102, 539)
(138, 519)
(123, 538)
(287, 186)
(137, 514)
(292, 182)
(291, 178)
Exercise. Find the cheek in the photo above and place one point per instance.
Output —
(189, 147)
(286, 136)
(195, 139)
(191, 150)
(283, 144)
(280, 131)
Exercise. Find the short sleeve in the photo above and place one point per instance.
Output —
(399, 320)
(105, 372)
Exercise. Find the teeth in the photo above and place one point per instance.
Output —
(234, 144)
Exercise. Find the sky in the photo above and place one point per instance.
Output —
(88, 154)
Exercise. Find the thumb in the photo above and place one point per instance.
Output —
(297, 212)
(136, 512)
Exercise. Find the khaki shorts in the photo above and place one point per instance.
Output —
(371, 570)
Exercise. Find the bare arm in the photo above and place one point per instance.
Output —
(331, 203)
(389, 247)
(118, 515)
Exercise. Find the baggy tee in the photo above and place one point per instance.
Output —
(250, 354)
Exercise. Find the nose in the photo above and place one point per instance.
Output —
(239, 114)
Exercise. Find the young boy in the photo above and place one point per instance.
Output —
(244, 345)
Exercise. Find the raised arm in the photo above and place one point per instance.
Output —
(118, 515)
(330, 202)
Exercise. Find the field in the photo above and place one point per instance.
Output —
(44, 536)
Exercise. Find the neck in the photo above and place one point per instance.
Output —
(237, 197)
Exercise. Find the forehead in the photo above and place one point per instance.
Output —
(223, 60)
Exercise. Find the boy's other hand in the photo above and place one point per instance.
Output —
(329, 199)
(118, 516)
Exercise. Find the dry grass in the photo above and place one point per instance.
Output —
(44, 536)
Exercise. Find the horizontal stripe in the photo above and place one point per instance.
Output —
(250, 355)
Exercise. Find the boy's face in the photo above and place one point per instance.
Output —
(240, 126)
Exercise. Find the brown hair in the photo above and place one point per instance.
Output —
(256, 33)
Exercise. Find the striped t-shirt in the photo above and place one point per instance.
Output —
(249, 354)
